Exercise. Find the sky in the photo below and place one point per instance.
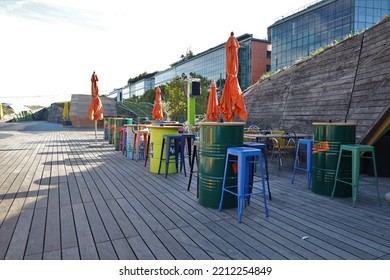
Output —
(50, 48)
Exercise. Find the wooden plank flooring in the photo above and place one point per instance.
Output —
(61, 197)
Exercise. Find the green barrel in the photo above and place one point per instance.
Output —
(327, 140)
(117, 134)
(214, 140)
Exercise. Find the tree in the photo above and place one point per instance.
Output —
(177, 100)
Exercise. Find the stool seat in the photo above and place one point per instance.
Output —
(356, 152)
(309, 154)
(263, 148)
(166, 143)
(245, 157)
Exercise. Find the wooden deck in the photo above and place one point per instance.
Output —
(61, 198)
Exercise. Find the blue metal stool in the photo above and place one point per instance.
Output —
(244, 156)
(166, 143)
(355, 151)
(308, 167)
(263, 148)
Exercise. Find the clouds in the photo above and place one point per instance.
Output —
(49, 48)
(51, 12)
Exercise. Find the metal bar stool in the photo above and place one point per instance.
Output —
(244, 190)
(138, 134)
(194, 156)
(123, 141)
(308, 167)
(166, 143)
(190, 138)
(356, 151)
(147, 149)
(263, 148)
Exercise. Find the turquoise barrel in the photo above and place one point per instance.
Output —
(214, 140)
(327, 140)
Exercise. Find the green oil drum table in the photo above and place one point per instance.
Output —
(214, 140)
(327, 140)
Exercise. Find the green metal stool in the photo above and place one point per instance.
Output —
(355, 152)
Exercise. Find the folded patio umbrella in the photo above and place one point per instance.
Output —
(95, 110)
(157, 112)
(212, 105)
(65, 112)
(232, 101)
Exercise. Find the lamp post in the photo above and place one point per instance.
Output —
(191, 89)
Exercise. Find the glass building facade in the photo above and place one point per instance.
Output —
(253, 59)
(320, 24)
(212, 65)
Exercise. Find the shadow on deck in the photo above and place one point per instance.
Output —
(61, 198)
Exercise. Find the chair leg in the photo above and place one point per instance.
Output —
(134, 145)
(223, 183)
(191, 168)
(263, 186)
(147, 150)
(355, 176)
(295, 164)
(336, 174)
(161, 155)
(376, 179)
(266, 170)
(167, 157)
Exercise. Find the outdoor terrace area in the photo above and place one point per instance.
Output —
(62, 197)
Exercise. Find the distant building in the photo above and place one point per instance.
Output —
(254, 57)
(318, 25)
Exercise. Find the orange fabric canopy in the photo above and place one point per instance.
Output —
(157, 112)
(212, 105)
(95, 110)
(232, 101)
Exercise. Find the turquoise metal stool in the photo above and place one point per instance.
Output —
(263, 148)
(166, 143)
(355, 152)
(244, 190)
(308, 167)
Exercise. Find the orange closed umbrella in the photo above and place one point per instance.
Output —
(95, 110)
(157, 112)
(212, 105)
(232, 101)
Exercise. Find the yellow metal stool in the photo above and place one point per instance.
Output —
(355, 152)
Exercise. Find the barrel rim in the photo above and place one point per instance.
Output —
(222, 124)
(334, 124)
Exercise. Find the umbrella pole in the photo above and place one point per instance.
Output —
(96, 131)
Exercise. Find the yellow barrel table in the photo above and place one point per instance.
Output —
(156, 137)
